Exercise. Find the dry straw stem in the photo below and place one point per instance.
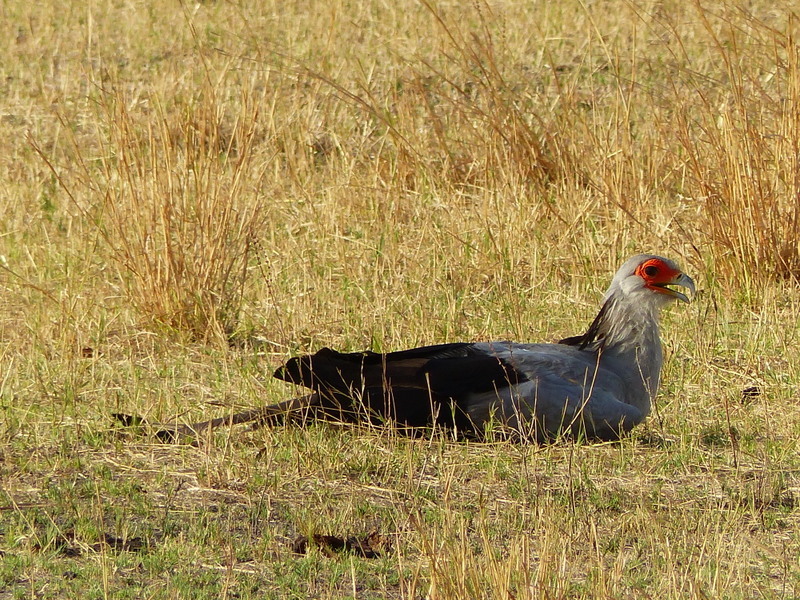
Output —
(743, 148)
(173, 206)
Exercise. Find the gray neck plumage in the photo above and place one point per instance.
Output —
(627, 334)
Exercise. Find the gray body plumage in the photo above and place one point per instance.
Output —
(600, 390)
(599, 384)
(597, 393)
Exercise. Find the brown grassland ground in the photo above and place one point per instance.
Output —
(192, 193)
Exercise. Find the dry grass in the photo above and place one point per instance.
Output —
(170, 206)
(380, 175)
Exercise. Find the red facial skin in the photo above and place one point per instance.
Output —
(656, 274)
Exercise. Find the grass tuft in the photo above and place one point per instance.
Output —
(173, 194)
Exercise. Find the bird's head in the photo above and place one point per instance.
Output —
(647, 278)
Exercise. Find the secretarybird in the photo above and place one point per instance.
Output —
(598, 385)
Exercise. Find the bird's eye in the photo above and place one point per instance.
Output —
(651, 271)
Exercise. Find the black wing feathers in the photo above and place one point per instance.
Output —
(416, 388)
(595, 333)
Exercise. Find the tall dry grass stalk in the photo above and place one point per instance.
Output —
(483, 135)
(175, 197)
(743, 145)
(457, 122)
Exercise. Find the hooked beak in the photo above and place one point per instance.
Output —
(682, 280)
